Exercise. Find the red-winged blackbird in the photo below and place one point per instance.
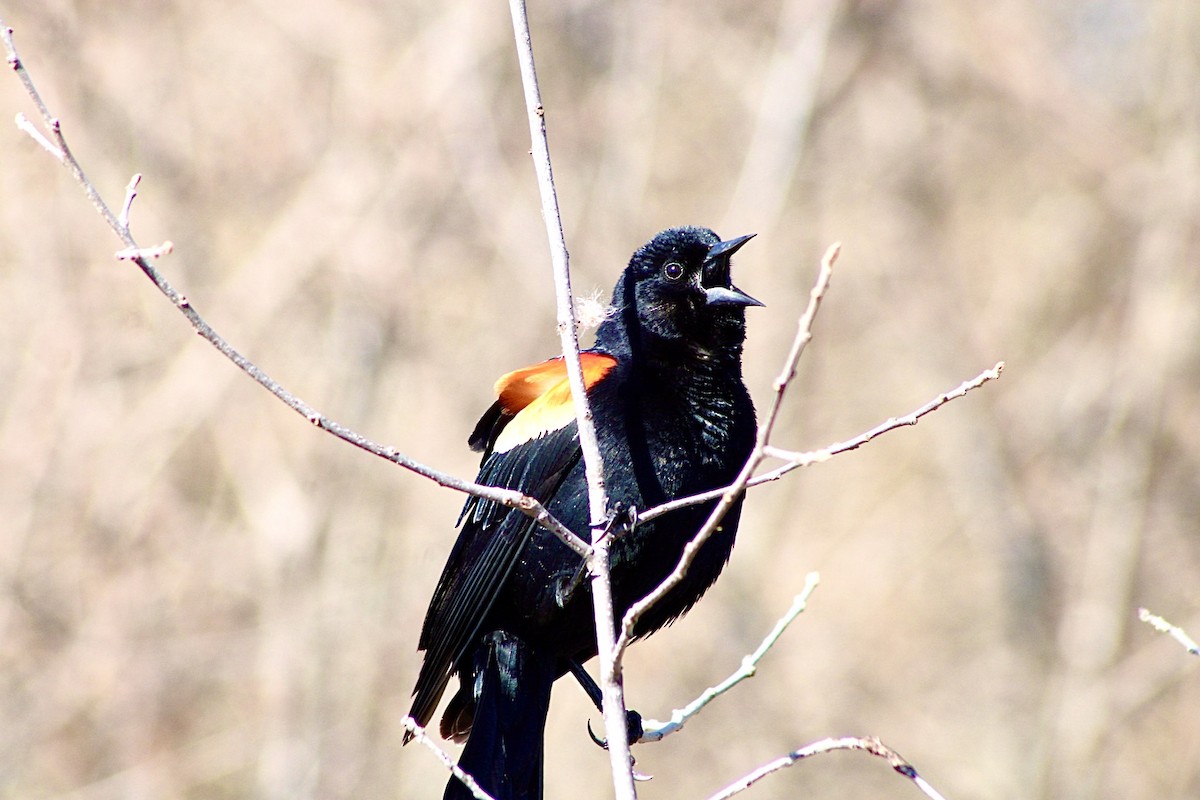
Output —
(673, 418)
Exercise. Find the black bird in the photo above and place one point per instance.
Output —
(673, 418)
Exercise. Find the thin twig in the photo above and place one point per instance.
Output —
(867, 744)
(130, 194)
(611, 688)
(1174, 631)
(419, 734)
(657, 731)
(59, 150)
(158, 251)
(28, 127)
(731, 493)
(506, 497)
(796, 459)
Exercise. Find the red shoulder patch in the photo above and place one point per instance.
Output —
(539, 397)
(522, 386)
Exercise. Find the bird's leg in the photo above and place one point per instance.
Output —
(620, 522)
(566, 586)
(633, 720)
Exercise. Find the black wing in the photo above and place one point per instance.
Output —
(531, 442)
(491, 539)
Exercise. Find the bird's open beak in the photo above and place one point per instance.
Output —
(733, 296)
(728, 247)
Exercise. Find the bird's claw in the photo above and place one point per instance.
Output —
(634, 722)
(621, 520)
(601, 743)
(633, 729)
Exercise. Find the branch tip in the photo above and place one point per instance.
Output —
(831, 254)
(867, 744)
(654, 731)
(24, 124)
(130, 193)
(135, 253)
(1177, 633)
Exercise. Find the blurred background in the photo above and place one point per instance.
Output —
(202, 596)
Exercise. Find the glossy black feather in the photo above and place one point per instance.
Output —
(491, 540)
(488, 428)
(673, 418)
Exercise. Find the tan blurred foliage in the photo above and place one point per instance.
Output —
(204, 597)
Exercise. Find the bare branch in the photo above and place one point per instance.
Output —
(804, 459)
(130, 194)
(419, 734)
(137, 255)
(868, 744)
(1174, 631)
(612, 691)
(803, 336)
(24, 124)
(657, 731)
(59, 150)
(158, 251)
(796, 459)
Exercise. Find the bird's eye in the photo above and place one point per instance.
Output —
(673, 271)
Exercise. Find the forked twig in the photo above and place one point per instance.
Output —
(797, 459)
(23, 124)
(137, 255)
(867, 744)
(657, 731)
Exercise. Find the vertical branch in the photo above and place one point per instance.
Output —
(610, 674)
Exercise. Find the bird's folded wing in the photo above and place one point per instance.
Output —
(531, 443)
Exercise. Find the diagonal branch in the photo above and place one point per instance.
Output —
(657, 731)
(868, 744)
(137, 255)
(1174, 631)
(409, 724)
(796, 459)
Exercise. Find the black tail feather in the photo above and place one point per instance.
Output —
(504, 751)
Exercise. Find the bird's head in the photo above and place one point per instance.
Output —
(676, 294)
